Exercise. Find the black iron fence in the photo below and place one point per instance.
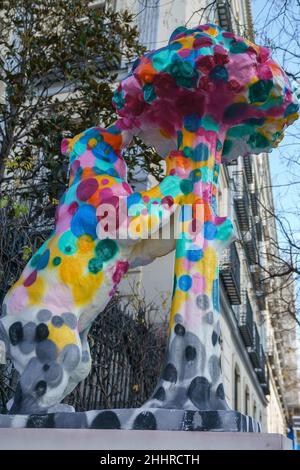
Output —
(127, 350)
(19, 239)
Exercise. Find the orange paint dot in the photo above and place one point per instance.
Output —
(92, 143)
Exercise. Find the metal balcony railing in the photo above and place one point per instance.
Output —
(254, 350)
(271, 348)
(260, 369)
(266, 384)
(246, 321)
(230, 274)
(223, 9)
(254, 202)
(261, 299)
(250, 247)
(259, 230)
(262, 372)
(248, 168)
(241, 200)
(255, 274)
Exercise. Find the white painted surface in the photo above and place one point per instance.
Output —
(94, 439)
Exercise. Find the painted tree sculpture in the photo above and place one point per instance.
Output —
(204, 99)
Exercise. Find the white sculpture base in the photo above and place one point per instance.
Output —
(111, 439)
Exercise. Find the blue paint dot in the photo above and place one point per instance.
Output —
(185, 282)
(210, 231)
(112, 172)
(84, 221)
(134, 198)
(113, 129)
(192, 122)
(219, 73)
(201, 153)
(43, 260)
(194, 255)
(195, 175)
(103, 151)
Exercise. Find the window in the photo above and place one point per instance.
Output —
(237, 388)
(254, 411)
(224, 16)
(247, 401)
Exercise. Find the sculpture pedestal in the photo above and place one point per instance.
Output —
(95, 439)
(148, 419)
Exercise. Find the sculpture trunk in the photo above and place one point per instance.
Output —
(191, 378)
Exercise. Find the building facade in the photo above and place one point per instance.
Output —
(259, 357)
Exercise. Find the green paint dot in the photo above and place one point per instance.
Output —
(260, 90)
(240, 130)
(258, 141)
(149, 93)
(291, 109)
(95, 265)
(56, 261)
(106, 249)
(188, 152)
(67, 243)
(227, 146)
(34, 261)
(179, 139)
(225, 231)
(180, 248)
(195, 175)
(170, 186)
(209, 124)
(238, 47)
(186, 186)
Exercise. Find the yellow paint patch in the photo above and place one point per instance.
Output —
(212, 32)
(83, 284)
(186, 42)
(209, 264)
(92, 142)
(61, 336)
(85, 243)
(36, 291)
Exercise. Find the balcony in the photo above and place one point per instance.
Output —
(259, 230)
(261, 299)
(224, 15)
(241, 200)
(246, 322)
(248, 168)
(262, 372)
(255, 274)
(254, 202)
(250, 247)
(230, 274)
(254, 350)
(271, 348)
(266, 383)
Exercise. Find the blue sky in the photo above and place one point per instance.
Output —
(284, 174)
